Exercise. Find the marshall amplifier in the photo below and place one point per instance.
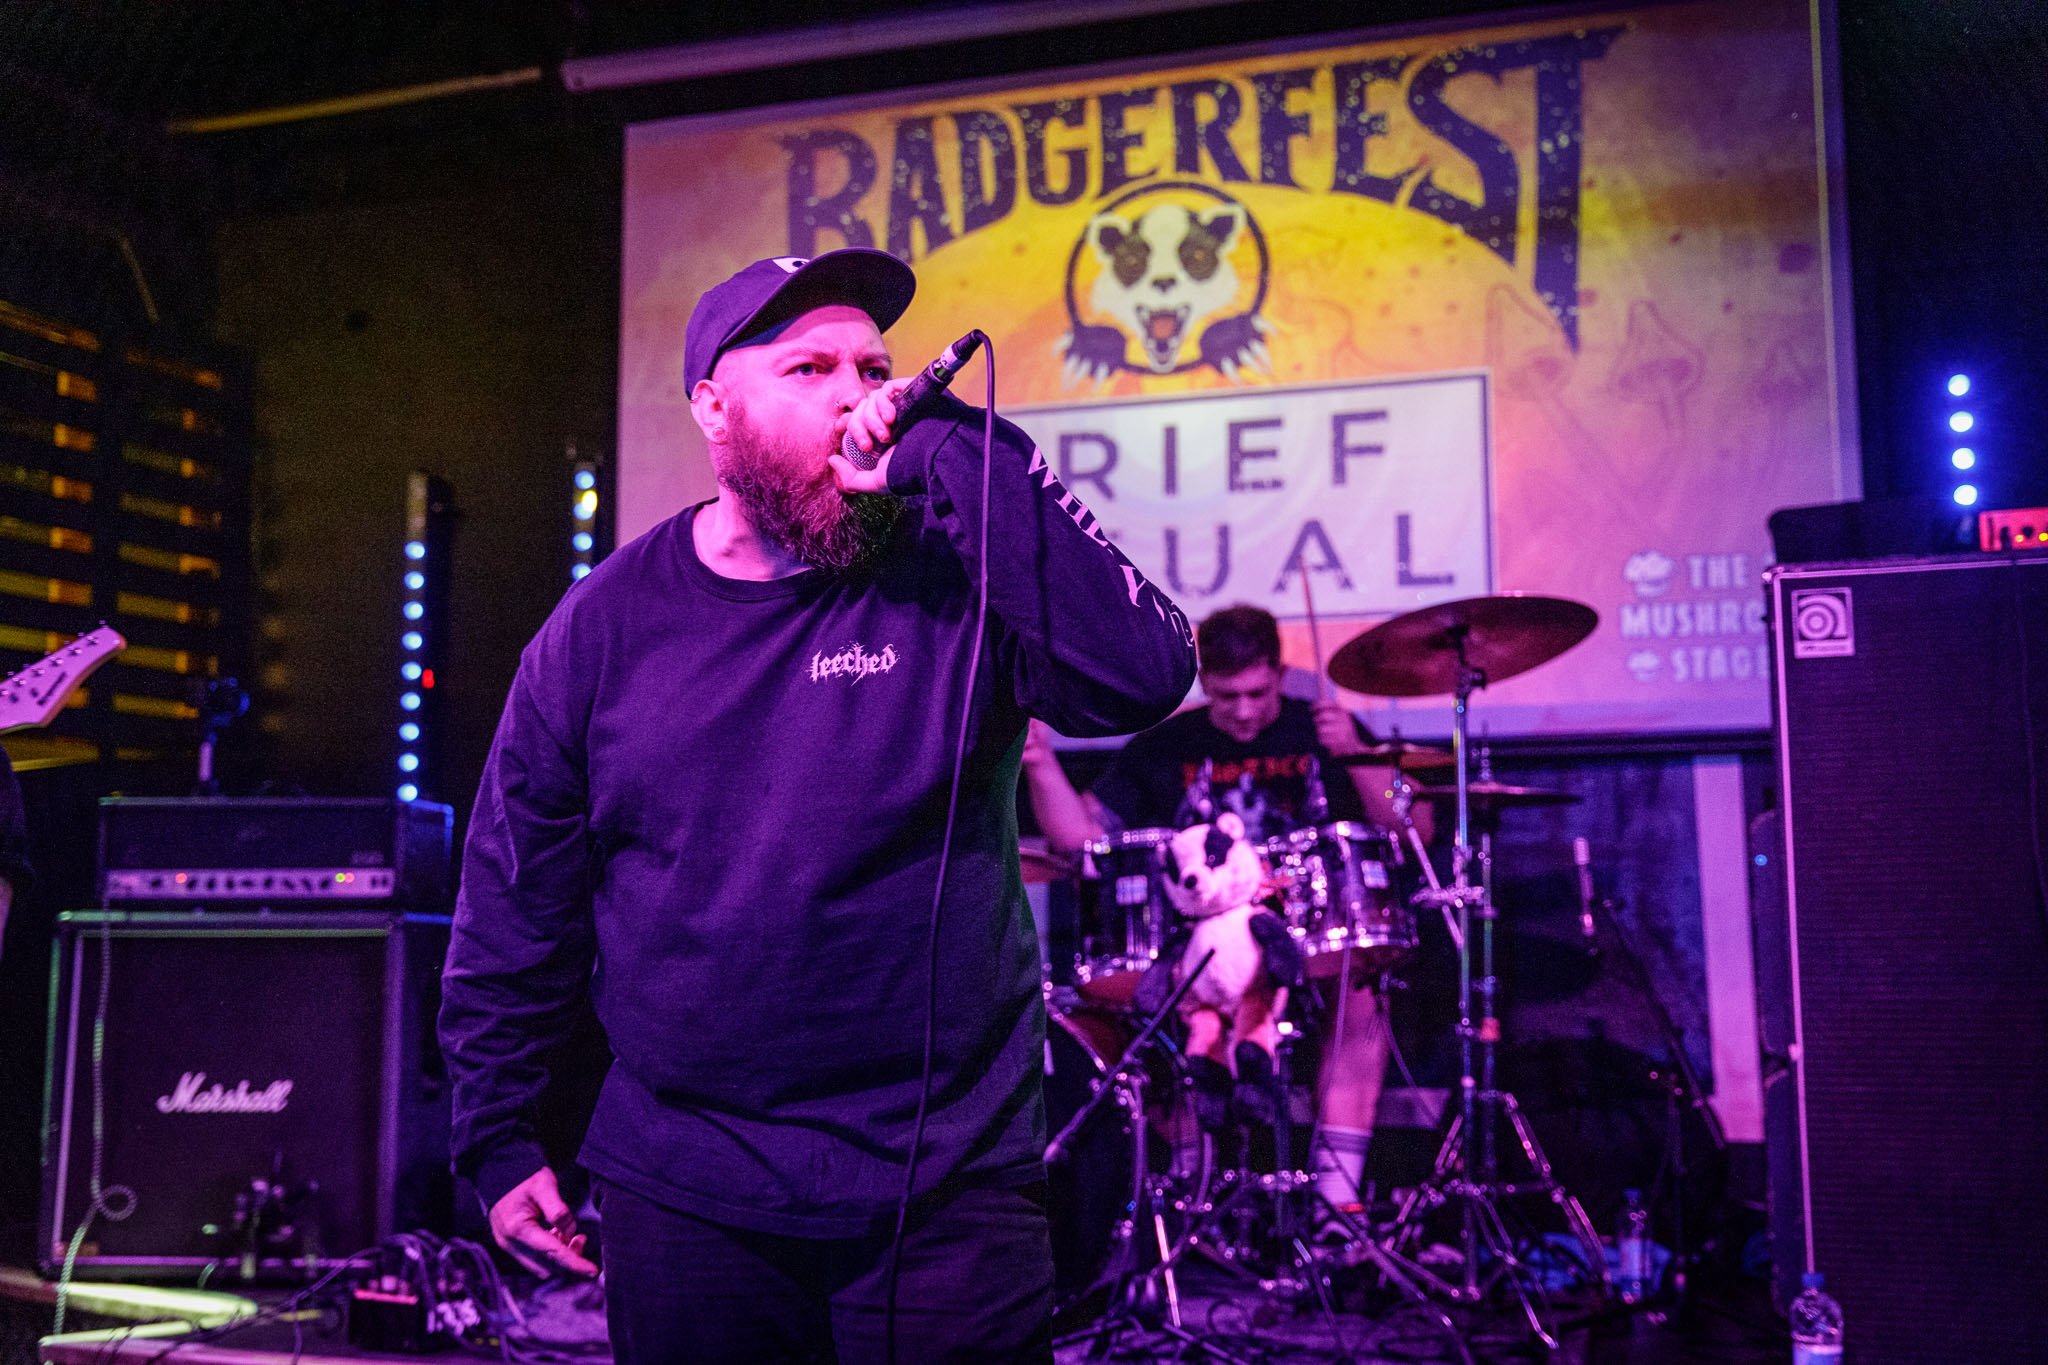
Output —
(252, 1092)
(248, 853)
(1903, 946)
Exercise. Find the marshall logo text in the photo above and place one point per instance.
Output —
(192, 1095)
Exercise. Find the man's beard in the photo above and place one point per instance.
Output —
(813, 521)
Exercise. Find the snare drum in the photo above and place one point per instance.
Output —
(1125, 915)
(1338, 892)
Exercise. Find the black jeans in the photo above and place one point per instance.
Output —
(975, 1286)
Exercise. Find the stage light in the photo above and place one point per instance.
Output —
(429, 521)
(584, 550)
(408, 792)
(1963, 458)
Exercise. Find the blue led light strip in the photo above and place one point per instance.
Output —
(429, 510)
(1961, 423)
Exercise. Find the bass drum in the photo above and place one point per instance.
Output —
(1095, 1186)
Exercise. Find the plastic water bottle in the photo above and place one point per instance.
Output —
(1816, 1324)
(1632, 1245)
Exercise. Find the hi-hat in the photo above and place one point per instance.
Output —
(1488, 795)
(1417, 654)
(1396, 753)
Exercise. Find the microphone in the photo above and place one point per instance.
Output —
(1582, 857)
(1316, 806)
(932, 381)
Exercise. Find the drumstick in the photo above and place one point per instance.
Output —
(1315, 638)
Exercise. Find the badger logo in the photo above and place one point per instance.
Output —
(1179, 274)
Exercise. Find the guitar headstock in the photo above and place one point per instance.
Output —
(37, 693)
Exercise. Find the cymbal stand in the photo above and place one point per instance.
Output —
(1467, 1169)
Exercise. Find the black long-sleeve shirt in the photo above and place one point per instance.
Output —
(719, 804)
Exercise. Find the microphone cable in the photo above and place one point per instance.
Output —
(931, 986)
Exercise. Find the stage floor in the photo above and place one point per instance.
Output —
(1727, 1322)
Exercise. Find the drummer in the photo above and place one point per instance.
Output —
(1262, 748)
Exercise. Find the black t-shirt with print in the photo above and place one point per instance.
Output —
(719, 807)
(1265, 781)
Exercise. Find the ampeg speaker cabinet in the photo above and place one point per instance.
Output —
(254, 1090)
(221, 852)
(1904, 972)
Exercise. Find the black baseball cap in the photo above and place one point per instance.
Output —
(779, 288)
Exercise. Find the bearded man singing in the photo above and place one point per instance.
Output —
(719, 801)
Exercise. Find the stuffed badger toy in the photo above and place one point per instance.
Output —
(1215, 879)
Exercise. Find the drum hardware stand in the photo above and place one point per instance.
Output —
(1126, 1284)
(1231, 1251)
(1312, 1264)
(1404, 801)
(1467, 1168)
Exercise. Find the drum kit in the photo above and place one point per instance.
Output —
(1138, 1191)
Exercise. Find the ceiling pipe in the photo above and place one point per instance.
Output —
(356, 104)
(836, 42)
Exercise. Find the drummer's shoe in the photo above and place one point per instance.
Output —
(1338, 1226)
(1255, 1100)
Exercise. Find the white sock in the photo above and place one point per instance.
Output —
(1340, 1165)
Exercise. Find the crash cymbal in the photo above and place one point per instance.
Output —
(1040, 864)
(1416, 654)
(1490, 795)
(1397, 753)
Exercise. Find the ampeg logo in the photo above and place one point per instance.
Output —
(1823, 627)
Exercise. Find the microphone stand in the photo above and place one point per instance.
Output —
(1056, 1150)
(1683, 1090)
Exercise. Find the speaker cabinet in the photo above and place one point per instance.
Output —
(1903, 958)
(260, 1091)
